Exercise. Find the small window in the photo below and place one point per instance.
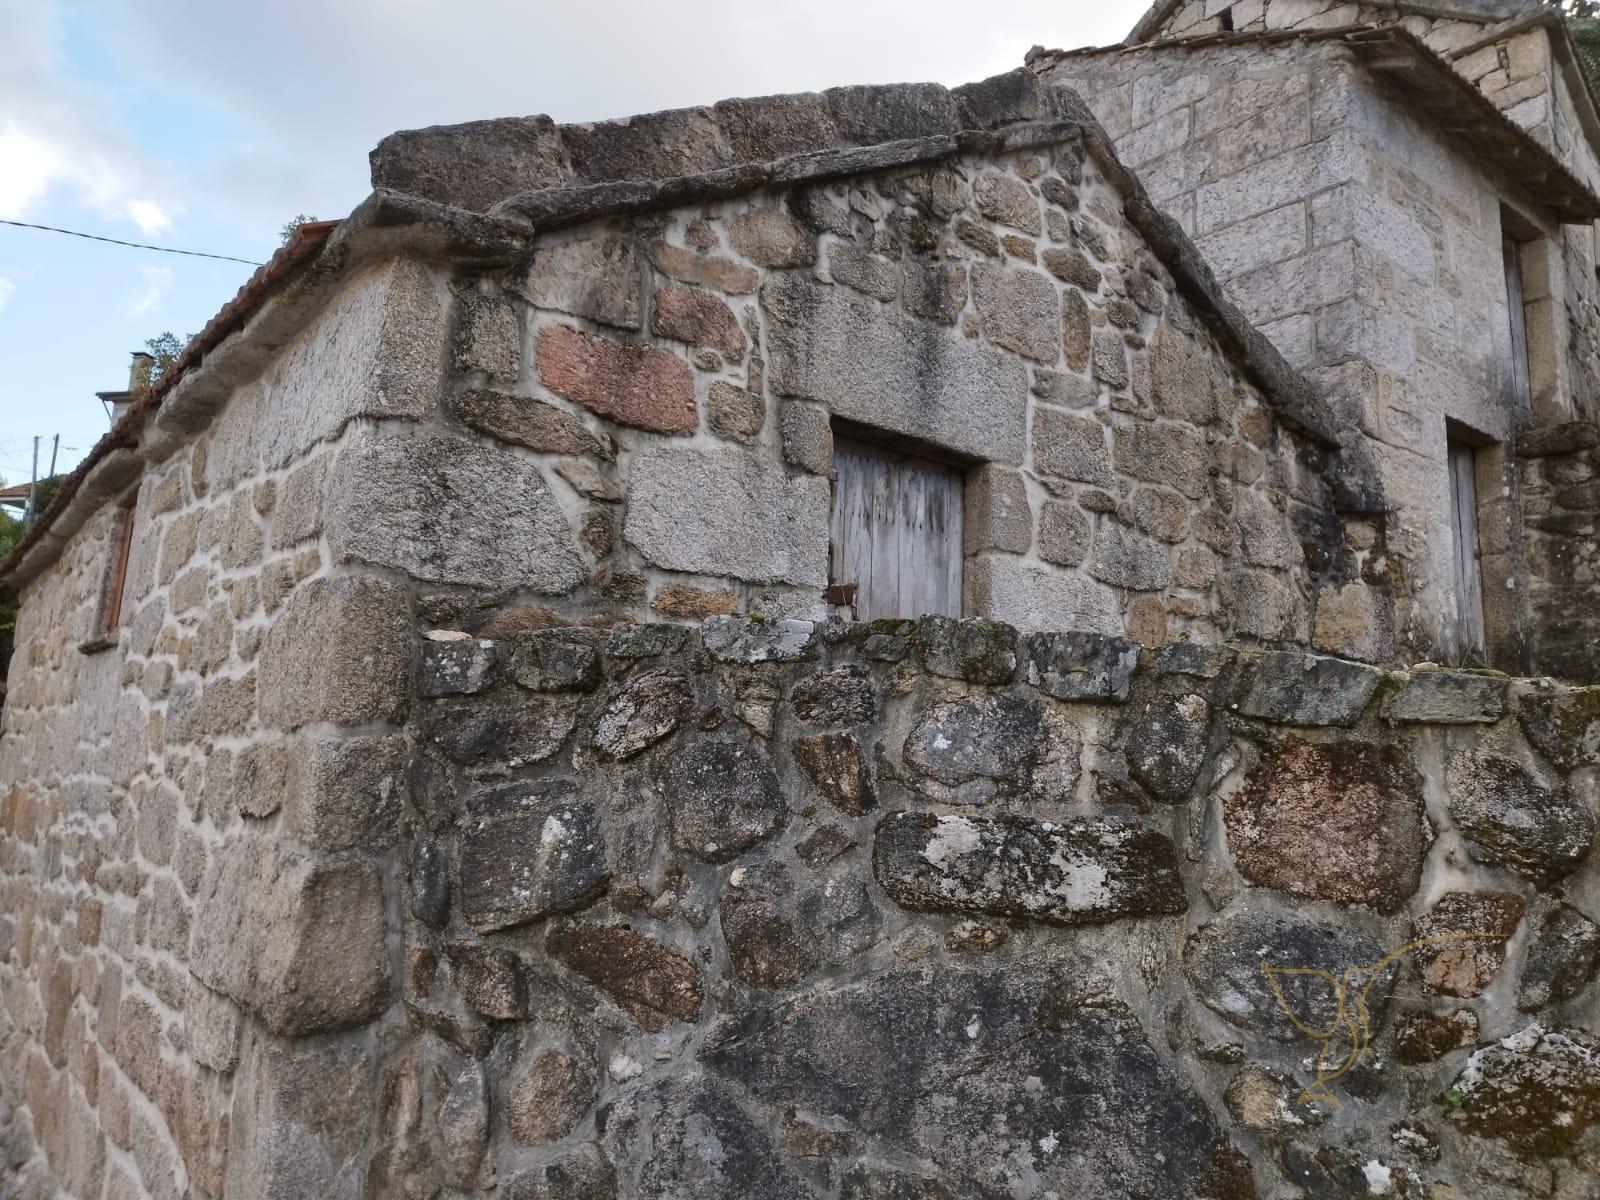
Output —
(1517, 314)
(108, 620)
(895, 535)
(1468, 585)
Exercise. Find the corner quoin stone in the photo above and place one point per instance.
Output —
(491, 519)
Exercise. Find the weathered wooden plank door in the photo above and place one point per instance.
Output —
(1464, 547)
(896, 533)
(1521, 394)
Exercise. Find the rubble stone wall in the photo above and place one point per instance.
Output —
(175, 873)
(677, 380)
(930, 909)
(1370, 252)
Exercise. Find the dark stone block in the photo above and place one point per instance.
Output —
(1223, 963)
(454, 664)
(430, 883)
(529, 850)
(923, 1059)
(1538, 1091)
(650, 983)
(1510, 819)
(840, 696)
(1294, 688)
(645, 641)
(769, 127)
(1166, 745)
(1564, 725)
(557, 660)
(492, 740)
(835, 763)
(722, 798)
(1081, 666)
(974, 649)
(644, 711)
(473, 165)
(686, 1136)
(1561, 960)
(1427, 1037)
(767, 946)
(489, 980)
(1447, 698)
(1017, 95)
(1073, 873)
(977, 748)
(585, 1174)
(867, 115)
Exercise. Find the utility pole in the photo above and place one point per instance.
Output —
(55, 446)
(33, 483)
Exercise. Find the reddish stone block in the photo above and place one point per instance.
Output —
(698, 318)
(634, 385)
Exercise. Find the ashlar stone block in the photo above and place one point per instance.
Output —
(722, 511)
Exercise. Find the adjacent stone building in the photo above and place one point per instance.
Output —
(1402, 197)
(441, 758)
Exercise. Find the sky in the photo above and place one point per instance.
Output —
(207, 126)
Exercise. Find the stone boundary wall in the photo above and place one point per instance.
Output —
(932, 909)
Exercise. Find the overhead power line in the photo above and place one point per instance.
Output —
(95, 237)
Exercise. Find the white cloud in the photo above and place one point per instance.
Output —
(63, 137)
(149, 217)
(157, 283)
(8, 289)
(262, 122)
(308, 110)
(27, 168)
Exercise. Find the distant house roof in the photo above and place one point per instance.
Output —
(1426, 83)
(16, 495)
(479, 192)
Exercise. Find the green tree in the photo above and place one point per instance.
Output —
(164, 348)
(293, 223)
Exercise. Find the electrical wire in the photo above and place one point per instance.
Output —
(95, 237)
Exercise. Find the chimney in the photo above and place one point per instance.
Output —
(139, 370)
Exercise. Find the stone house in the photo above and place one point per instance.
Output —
(440, 760)
(1402, 197)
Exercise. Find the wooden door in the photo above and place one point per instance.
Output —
(1511, 252)
(896, 533)
(1464, 548)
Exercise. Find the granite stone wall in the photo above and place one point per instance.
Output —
(381, 851)
(677, 380)
(932, 909)
(176, 869)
